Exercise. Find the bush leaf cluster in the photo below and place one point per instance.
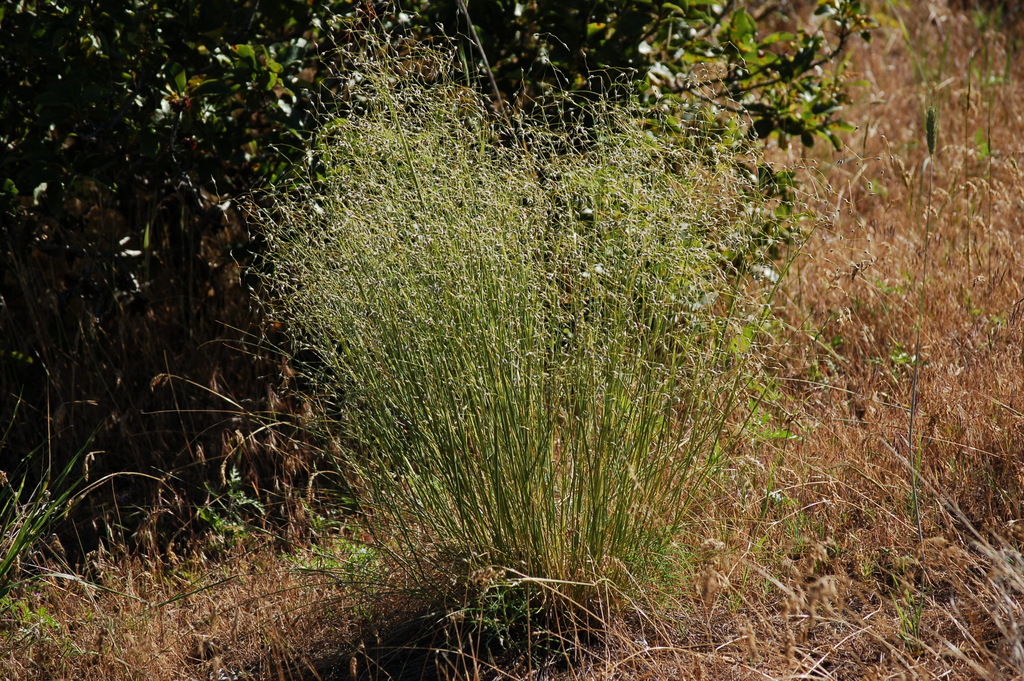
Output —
(748, 65)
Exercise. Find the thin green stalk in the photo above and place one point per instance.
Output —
(931, 130)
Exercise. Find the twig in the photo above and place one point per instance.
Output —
(483, 55)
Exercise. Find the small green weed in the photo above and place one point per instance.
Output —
(28, 513)
(227, 510)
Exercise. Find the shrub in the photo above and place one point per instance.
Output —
(771, 69)
(530, 344)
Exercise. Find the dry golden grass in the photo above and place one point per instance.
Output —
(248, 612)
(859, 286)
(910, 241)
(810, 565)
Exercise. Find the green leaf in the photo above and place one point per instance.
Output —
(744, 28)
(178, 78)
(778, 37)
(825, 8)
(739, 344)
(266, 80)
(742, 341)
(247, 54)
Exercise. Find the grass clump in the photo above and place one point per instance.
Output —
(27, 513)
(531, 336)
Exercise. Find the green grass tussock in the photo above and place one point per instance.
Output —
(532, 346)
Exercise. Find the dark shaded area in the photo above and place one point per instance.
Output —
(127, 333)
(437, 645)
